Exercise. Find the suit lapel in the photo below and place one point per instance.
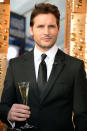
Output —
(56, 70)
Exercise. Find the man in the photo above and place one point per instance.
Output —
(50, 105)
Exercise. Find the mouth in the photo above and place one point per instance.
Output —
(46, 38)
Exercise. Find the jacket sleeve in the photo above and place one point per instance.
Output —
(8, 95)
(80, 99)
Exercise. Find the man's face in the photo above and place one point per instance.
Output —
(44, 31)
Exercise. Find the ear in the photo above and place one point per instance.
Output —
(59, 28)
(31, 31)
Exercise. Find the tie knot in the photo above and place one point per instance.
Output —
(43, 56)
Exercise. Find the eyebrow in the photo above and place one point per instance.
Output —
(50, 25)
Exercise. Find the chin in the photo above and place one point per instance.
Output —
(45, 46)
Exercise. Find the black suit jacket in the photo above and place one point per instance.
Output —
(65, 92)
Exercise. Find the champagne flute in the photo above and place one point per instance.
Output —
(24, 91)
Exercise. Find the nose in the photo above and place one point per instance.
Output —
(46, 30)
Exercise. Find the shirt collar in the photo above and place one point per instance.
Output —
(50, 53)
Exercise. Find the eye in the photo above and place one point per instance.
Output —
(40, 26)
(52, 26)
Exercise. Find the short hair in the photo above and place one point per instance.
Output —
(45, 8)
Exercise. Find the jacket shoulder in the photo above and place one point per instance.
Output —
(18, 59)
(72, 59)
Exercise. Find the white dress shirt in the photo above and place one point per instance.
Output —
(49, 59)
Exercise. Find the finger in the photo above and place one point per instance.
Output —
(21, 106)
(19, 119)
(22, 111)
(21, 115)
(18, 116)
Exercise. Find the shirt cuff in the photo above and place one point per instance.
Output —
(12, 124)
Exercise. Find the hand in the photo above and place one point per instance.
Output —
(19, 112)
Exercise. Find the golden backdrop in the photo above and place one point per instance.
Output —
(76, 29)
(4, 39)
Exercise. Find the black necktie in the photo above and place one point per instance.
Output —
(42, 73)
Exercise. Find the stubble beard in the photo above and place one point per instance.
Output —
(44, 47)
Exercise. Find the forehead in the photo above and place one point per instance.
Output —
(45, 18)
